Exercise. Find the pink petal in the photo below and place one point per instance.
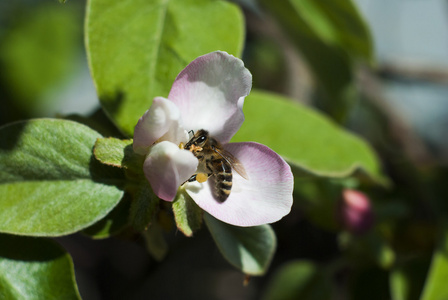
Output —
(167, 167)
(161, 121)
(264, 198)
(210, 93)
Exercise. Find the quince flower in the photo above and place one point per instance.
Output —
(209, 94)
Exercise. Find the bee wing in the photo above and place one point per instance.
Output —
(233, 161)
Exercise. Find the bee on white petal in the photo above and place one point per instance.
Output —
(214, 161)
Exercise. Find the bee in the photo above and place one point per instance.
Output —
(214, 161)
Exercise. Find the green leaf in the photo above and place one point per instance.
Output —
(162, 37)
(119, 153)
(50, 184)
(249, 249)
(336, 22)
(143, 206)
(115, 221)
(331, 36)
(407, 278)
(305, 138)
(35, 269)
(112, 151)
(155, 241)
(187, 214)
(298, 280)
(435, 285)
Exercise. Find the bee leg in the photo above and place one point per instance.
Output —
(192, 178)
(199, 177)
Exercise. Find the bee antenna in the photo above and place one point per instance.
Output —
(191, 132)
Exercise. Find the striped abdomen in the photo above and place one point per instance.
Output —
(222, 172)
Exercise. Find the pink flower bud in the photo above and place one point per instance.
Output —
(356, 212)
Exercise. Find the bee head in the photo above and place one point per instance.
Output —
(199, 139)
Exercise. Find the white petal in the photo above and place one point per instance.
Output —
(210, 93)
(264, 198)
(167, 167)
(162, 121)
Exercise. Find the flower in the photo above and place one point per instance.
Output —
(209, 94)
(356, 211)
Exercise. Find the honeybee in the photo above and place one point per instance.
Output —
(214, 161)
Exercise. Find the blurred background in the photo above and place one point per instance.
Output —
(44, 70)
(400, 105)
(411, 48)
